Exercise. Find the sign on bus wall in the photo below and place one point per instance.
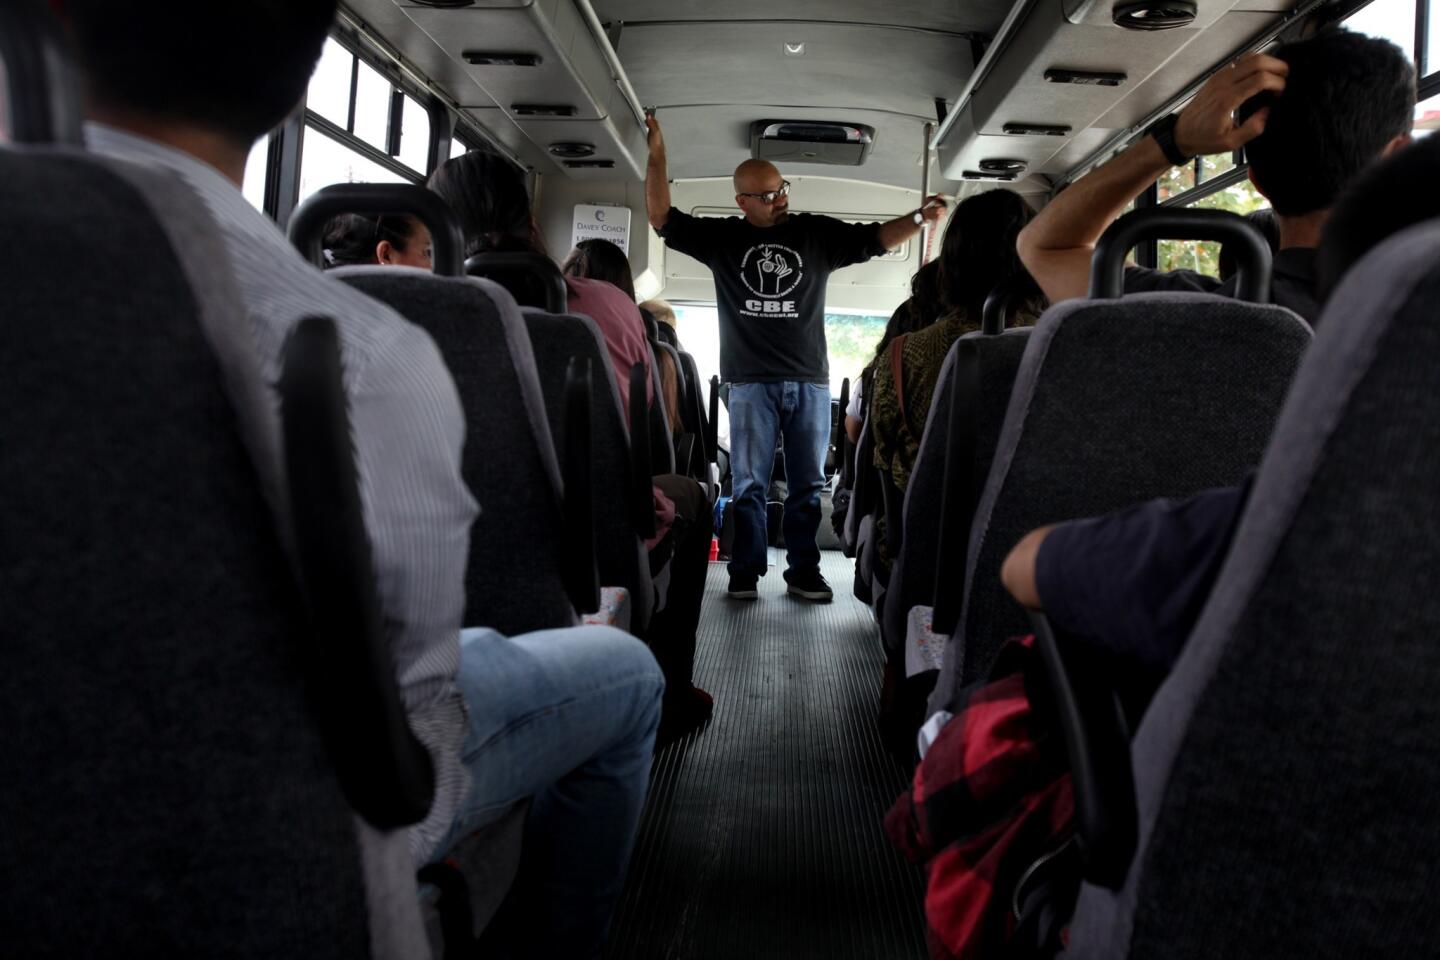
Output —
(594, 222)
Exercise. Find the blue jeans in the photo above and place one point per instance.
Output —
(760, 413)
(567, 717)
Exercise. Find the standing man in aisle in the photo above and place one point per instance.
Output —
(770, 272)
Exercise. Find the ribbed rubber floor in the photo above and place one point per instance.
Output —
(761, 837)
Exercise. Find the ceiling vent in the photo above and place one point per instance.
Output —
(589, 164)
(809, 141)
(1153, 14)
(572, 150)
(543, 110)
(1004, 165)
(445, 3)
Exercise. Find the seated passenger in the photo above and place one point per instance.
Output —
(664, 315)
(1311, 115)
(603, 260)
(565, 716)
(1264, 221)
(1134, 582)
(978, 255)
(388, 240)
(488, 194)
(922, 308)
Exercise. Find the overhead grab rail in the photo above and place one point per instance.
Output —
(40, 84)
(612, 60)
(1253, 256)
(308, 223)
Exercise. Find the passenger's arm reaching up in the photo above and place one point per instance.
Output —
(657, 183)
(1057, 245)
(897, 231)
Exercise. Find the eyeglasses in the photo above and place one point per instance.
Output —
(772, 195)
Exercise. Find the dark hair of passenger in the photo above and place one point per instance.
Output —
(487, 192)
(1264, 220)
(350, 239)
(601, 260)
(979, 255)
(1346, 96)
(1399, 192)
(236, 68)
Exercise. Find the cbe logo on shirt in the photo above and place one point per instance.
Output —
(770, 270)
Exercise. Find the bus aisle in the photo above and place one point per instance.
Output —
(762, 833)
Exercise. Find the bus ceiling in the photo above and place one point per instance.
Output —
(1037, 89)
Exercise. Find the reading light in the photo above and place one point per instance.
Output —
(794, 49)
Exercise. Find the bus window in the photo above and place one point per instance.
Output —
(325, 162)
(852, 338)
(329, 91)
(255, 169)
(1427, 116)
(1392, 20)
(414, 134)
(372, 108)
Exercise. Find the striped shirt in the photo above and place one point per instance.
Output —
(408, 430)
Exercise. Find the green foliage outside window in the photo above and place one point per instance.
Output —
(851, 339)
(1204, 256)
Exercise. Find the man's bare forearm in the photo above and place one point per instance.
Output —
(657, 178)
(1057, 245)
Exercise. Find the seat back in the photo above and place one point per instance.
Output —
(167, 791)
(513, 581)
(1286, 772)
(956, 450)
(620, 556)
(1116, 402)
(531, 278)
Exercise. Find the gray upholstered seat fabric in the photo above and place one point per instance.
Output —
(512, 581)
(166, 792)
(1117, 402)
(1286, 773)
(984, 369)
(619, 554)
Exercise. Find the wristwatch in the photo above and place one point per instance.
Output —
(919, 218)
(1163, 130)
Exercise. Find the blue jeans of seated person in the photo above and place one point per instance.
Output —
(567, 717)
(761, 413)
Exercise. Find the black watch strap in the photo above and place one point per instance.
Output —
(1163, 130)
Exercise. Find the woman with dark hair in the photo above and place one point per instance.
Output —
(488, 195)
(600, 260)
(922, 308)
(389, 240)
(978, 255)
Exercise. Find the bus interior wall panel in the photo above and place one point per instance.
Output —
(1158, 64)
(572, 74)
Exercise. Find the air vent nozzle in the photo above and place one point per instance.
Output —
(589, 164)
(572, 150)
(1006, 165)
(1153, 14)
(989, 175)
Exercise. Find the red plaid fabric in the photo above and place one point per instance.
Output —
(991, 797)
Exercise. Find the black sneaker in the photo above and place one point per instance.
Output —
(809, 584)
(743, 586)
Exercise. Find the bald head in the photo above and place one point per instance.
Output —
(755, 177)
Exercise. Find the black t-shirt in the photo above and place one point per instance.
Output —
(1292, 282)
(1134, 582)
(770, 287)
